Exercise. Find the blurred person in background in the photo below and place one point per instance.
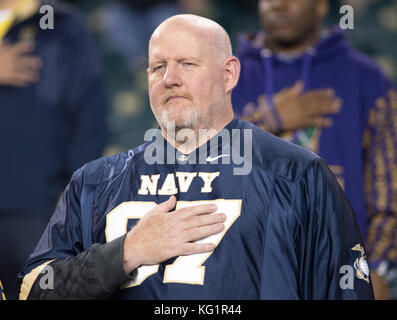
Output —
(307, 84)
(52, 120)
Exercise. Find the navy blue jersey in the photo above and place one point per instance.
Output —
(290, 232)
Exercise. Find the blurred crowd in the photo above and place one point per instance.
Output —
(121, 30)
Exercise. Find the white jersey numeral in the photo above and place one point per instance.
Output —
(185, 269)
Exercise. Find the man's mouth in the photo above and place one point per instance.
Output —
(174, 98)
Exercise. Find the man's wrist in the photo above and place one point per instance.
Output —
(130, 255)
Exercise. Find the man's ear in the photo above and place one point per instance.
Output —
(231, 73)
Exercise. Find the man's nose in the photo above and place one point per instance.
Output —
(172, 76)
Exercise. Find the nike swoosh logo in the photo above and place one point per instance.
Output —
(210, 159)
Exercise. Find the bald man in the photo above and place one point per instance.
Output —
(185, 216)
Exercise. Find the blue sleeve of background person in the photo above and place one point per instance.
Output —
(322, 231)
(380, 147)
(85, 98)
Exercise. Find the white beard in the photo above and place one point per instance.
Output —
(188, 120)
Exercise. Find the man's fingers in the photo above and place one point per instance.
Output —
(197, 248)
(29, 63)
(324, 106)
(320, 103)
(297, 88)
(322, 122)
(204, 220)
(316, 96)
(293, 91)
(167, 205)
(332, 106)
(27, 75)
(23, 47)
(320, 93)
(22, 79)
(197, 210)
(203, 232)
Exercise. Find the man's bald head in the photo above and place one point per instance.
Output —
(191, 73)
(207, 30)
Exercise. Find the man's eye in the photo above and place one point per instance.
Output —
(156, 68)
(189, 64)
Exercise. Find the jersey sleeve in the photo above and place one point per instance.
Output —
(380, 152)
(62, 236)
(330, 249)
(97, 273)
(60, 268)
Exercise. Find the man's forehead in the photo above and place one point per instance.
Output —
(189, 33)
(180, 37)
(179, 44)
